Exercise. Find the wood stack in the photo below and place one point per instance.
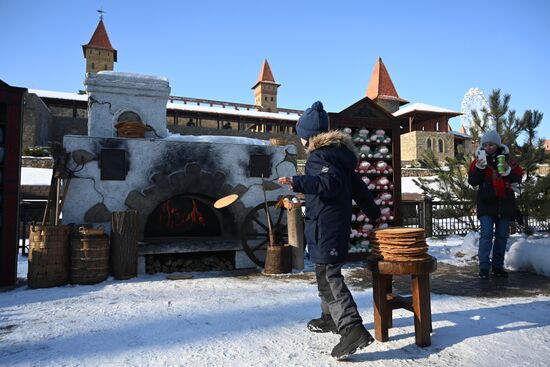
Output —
(170, 264)
(399, 244)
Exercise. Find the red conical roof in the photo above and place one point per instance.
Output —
(100, 39)
(381, 85)
(266, 76)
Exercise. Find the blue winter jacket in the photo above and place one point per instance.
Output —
(329, 185)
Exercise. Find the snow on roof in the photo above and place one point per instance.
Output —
(425, 108)
(178, 106)
(132, 75)
(231, 111)
(59, 95)
(458, 133)
(222, 139)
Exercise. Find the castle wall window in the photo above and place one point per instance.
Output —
(429, 144)
(440, 145)
(271, 99)
(93, 65)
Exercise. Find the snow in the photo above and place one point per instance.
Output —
(36, 176)
(231, 111)
(257, 320)
(174, 105)
(529, 255)
(408, 186)
(523, 253)
(59, 95)
(124, 75)
(424, 108)
(220, 139)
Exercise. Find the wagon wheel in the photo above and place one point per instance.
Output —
(255, 230)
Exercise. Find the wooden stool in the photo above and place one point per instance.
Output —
(385, 301)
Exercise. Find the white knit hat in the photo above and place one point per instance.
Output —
(491, 136)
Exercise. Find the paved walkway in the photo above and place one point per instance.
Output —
(464, 281)
(451, 280)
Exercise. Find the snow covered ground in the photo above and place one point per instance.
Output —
(257, 320)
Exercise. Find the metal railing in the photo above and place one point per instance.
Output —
(443, 219)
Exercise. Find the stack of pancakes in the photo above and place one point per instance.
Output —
(399, 244)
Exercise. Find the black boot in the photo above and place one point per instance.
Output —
(500, 272)
(324, 324)
(484, 273)
(352, 339)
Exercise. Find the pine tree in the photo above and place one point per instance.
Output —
(450, 186)
(451, 175)
(535, 187)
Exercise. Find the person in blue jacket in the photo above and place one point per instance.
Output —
(329, 184)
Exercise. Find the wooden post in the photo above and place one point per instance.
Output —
(381, 309)
(422, 309)
(428, 216)
(124, 249)
(296, 236)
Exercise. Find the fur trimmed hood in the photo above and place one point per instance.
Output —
(334, 137)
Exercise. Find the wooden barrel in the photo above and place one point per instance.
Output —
(89, 259)
(48, 256)
(278, 260)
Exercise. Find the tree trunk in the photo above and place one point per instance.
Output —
(295, 224)
(124, 249)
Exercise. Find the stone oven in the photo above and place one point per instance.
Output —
(171, 180)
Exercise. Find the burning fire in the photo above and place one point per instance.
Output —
(174, 217)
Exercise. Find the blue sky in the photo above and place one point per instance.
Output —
(318, 50)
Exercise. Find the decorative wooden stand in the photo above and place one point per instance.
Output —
(385, 301)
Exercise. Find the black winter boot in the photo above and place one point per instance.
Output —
(484, 273)
(324, 324)
(500, 272)
(352, 339)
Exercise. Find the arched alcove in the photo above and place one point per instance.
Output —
(183, 216)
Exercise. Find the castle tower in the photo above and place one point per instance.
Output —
(265, 89)
(381, 89)
(99, 53)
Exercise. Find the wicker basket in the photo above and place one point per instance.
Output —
(131, 129)
(89, 259)
(278, 141)
(48, 256)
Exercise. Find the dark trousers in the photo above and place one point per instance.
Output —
(500, 229)
(336, 299)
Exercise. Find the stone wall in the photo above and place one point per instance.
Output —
(37, 162)
(36, 122)
(409, 149)
(61, 126)
(101, 60)
(414, 143)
